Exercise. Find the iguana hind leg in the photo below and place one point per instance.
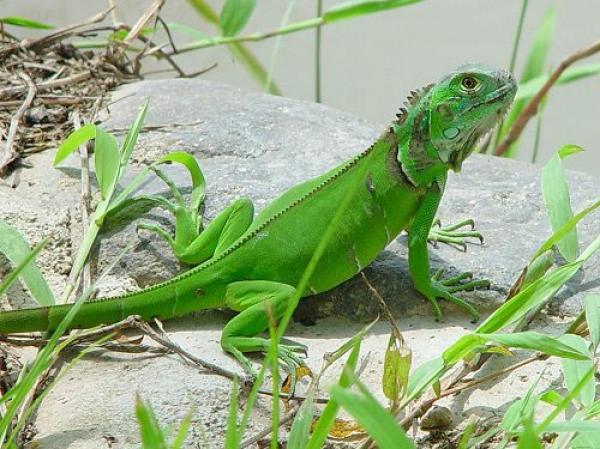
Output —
(221, 232)
(256, 300)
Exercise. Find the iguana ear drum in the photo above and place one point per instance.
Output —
(445, 111)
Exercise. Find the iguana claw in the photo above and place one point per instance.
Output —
(451, 234)
(443, 288)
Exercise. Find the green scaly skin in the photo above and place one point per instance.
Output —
(251, 265)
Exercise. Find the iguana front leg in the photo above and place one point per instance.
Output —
(453, 234)
(222, 231)
(418, 258)
(256, 300)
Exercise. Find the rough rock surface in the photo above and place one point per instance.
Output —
(256, 146)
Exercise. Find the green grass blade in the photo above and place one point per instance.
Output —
(361, 7)
(232, 437)
(574, 370)
(573, 393)
(24, 22)
(423, 376)
(530, 88)
(150, 431)
(555, 192)
(534, 67)
(564, 230)
(378, 422)
(16, 249)
(592, 317)
(529, 439)
(184, 428)
(235, 15)
(189, 31)
(250, 62)
(529, 298)
(518, 33)
(132, 136)
(298, 436)
(327, 419)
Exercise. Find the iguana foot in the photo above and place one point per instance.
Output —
(452, 234)
(444, 288)
(287, 354)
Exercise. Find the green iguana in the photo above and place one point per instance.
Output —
(245, 263)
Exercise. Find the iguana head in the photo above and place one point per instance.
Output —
(464, 106)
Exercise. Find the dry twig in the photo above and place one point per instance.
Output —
(531, 109)
(9, 154)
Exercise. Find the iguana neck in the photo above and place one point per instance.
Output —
(418, 158)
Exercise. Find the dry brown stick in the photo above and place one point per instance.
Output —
(157, 127)
(8, 154)
(8, 91)
(142, 21)
(85, 195)
(144, 327)
(53, 37)
(531, 109)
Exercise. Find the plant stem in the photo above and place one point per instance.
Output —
(222, 40)
(318, 54)
(515, 50)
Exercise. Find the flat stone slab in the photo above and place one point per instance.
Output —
(256, 146)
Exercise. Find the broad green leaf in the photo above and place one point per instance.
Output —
(534, 67)
(361, 7)
(73, 141)
(15, 248)
(189, 31)
(574, 370)
(586, 439)
(592, 317)
(298, 436)
(251, 63)
(396, 366)
(574, 425)
(538, 342)
(378, 422)
(551, 397)
(532, 296)
(464, 346)
(529, 88)
(235, 15)
(528, 438)
(107, 163)
(25, 23)
(132, 135)
(564, 230)
(198, 182)
(150, 431)
(555, 192)
(423, 376)
(131, 209)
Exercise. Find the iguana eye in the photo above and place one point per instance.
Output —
(469, 83)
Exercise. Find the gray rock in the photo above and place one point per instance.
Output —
(256, 146)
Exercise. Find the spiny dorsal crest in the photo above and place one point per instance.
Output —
(412, 99)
